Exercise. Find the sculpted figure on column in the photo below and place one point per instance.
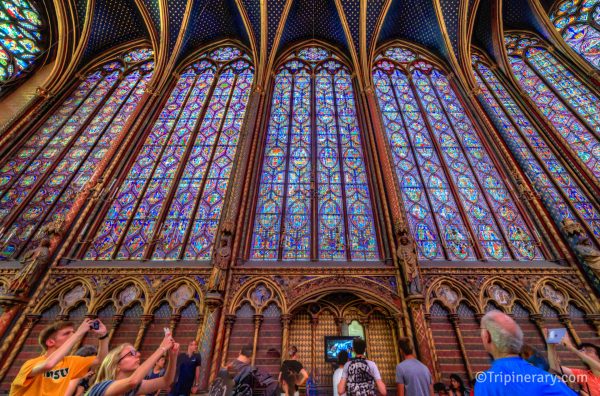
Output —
(222, 256)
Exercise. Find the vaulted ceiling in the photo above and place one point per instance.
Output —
(176, 28)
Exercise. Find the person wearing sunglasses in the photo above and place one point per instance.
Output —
(122, 373)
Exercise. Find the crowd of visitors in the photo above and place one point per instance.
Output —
(517, 368)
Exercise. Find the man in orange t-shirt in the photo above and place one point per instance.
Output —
(589, 354)
(51, 373)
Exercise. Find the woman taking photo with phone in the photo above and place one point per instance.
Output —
(589, 354)
(121, 373)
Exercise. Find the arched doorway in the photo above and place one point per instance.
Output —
(343, 314)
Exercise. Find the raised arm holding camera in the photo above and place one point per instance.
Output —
(589, 354)
(50, 373)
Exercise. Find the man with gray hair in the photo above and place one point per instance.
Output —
(510, 375)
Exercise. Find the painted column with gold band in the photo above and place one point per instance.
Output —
(423, 338)
(30, 321)
(213, 303)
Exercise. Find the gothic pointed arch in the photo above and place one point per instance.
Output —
(41, 176)
(458, 205)
(313, 200)
(167, 205)
(543, 165)
(563, 98)
(578, 22)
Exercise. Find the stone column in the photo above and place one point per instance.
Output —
(286, 320)
(258, 319)
(393, 323)
(455, 321)
(116, 322)
(566, 321)
(212, 312)
(229, 321)
(425, 348)
(146, 320)
(594, 319)
(175, 318)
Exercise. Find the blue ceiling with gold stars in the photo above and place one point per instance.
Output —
(192, 24)
(113, 23)
(414, 21)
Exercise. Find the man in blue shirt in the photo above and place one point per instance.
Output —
(510, 375)
(188, 371)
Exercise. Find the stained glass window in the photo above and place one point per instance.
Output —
(544, 168)
(314, 200)
(562, 97)
(40, 179)
(457, 204)
(21, 40)
(578, 21)
(169, 205)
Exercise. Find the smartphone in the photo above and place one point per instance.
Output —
(555, 335)
(95, 325)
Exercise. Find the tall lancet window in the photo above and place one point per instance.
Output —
(536, 155)
(40, 178)
(314, 201)
(169, 204)
(562, 97)
(457, 203)
(578, 21)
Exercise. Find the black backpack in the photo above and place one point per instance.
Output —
(360, 380)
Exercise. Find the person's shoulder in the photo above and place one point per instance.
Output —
(99, 388)
(34, 360)
(371, 363)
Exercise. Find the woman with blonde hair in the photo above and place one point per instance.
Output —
(121, 373)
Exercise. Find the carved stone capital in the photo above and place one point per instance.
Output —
(213, 300)
(229, 320)
(415, 301)
(454, 319)
(538, 319)
(43, 92)
(286, 320)
(146, 320)
(31, 320)
(117, 319)
(7, 301)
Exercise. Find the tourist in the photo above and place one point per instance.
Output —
(78, 387)
(440, 389)
(157, 371)
(342, 358)
(457, 386)
(413, 378)
(121, 373)
(292, 374)
(241, 371)
(589, 354)
(51, 373)
(510, 374)
(360, 376)
(532, 356)
(241, 363)
(188, 371)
